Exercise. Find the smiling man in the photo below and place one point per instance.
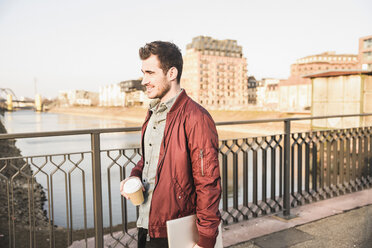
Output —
(179, 165)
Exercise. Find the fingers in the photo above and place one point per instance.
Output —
(122, 185)
(125, 195)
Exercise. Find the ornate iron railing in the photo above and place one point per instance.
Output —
(260, 175)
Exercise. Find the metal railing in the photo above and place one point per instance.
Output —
(260, 175)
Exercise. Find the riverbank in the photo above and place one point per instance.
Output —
(135, 116)
(19, 190)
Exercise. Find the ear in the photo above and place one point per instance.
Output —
(172, 74)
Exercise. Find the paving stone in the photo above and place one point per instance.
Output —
(283, 239)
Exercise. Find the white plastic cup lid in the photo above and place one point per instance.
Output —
(132, 185)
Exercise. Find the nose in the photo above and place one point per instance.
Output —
(144, 80)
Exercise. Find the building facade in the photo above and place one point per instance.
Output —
(124, 94)
(78, 98)
(341, 93)
(295, 92)
(215, 73)
(365, 53)
(324, 62)
(294, 97)
(134, 93)
(252, 90)
(111, 96)
(268, 93)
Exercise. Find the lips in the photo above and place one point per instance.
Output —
(149, 89)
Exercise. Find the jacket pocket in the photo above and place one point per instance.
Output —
(182, 199)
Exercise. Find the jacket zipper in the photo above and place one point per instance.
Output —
(201, 162)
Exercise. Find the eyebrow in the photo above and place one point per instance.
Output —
(146, 71)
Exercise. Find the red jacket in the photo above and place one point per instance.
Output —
(188, 176)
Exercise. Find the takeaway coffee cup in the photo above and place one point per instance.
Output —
(133, 188)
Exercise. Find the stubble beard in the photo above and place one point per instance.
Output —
(164, 89)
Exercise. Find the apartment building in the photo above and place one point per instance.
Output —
(365, 53)
(215, 73)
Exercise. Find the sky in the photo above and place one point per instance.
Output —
(85, 44)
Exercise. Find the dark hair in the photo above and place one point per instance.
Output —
(168, 53)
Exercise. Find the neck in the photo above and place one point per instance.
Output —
(173, 91)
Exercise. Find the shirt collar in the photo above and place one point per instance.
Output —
(157, 105)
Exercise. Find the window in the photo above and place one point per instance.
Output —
(367, 43)
(367, 55)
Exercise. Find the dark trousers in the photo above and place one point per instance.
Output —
(153, 243)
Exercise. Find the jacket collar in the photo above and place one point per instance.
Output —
(181, 99)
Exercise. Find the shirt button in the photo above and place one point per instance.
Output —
(154, 127)
(150, 144)
(147, 162)
(179, 197)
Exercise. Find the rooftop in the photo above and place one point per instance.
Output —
(202, 43)
(328, 57)
(336, 73)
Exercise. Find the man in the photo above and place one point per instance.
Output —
(179, 166)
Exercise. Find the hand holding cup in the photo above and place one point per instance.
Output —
(131, 188)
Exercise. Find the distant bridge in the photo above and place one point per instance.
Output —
(9, 101)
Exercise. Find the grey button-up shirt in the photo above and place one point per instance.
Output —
(153, 137)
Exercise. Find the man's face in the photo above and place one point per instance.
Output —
(156, 82)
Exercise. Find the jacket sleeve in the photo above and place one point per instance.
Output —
(203, 146)
(137, 170)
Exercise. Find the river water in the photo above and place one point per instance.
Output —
(24, 121)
